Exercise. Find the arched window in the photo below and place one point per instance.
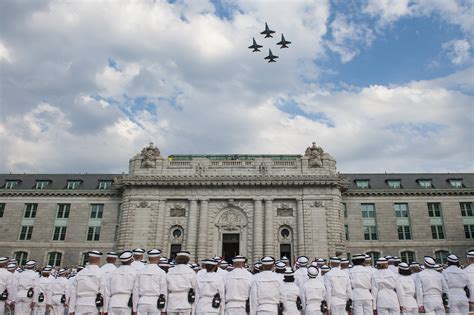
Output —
(54, 259)
(408, 256)
(21, 257)
(441, 256)
(374, 256)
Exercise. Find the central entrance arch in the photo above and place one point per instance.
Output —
(232, 231)
(230, 245)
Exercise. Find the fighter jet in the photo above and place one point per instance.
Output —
(271, 57)
(255, 46)
(268, 32)
(284, 43)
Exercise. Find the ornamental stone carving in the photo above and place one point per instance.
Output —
(318, 204)
(149, 155)
(262, 169)
(315, 155)
(284, 210)
(177, 211)
(231, 219)
(142, 204)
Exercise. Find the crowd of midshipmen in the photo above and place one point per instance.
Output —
(332, 286)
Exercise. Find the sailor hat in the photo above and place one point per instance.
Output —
(183, 253)
(325, 268)
(46, 269)
(224, 263)
(138, 251)
(313, 272)
(314, 264)
(396, 259)
(126, 255)
(438, 267)
(344, 260)
(61, 271)
(154, 253)
(414, 264)
(217, 258)
(429, 262)
(321, 260)
(94, 253)
(403, 266)
(453, 258)
(335, 259)
(289, 272)
(268, 260)
(368, 257)
(358, 257)
(302, 260)
(112, 254)
(470, 254)
(285, 259)
(239, 258)
(30, 264)
(195, 266)
(257, 264)
(4, 260)
(382, 260)
(11, 266)
(280, 265)
(211, 262)
(389, 258)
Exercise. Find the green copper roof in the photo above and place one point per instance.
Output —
(237, 157)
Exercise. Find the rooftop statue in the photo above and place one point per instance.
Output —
(315, 155)
(149, 156)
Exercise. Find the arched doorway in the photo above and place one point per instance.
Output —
(232, 231)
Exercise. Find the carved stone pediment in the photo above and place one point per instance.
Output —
(318, 204)
(142, 204)
(177, 211)
(231, 219)
(284, 210)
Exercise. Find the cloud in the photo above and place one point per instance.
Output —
(458, 51)
(388, 11)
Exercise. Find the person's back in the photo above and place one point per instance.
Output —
(457, 281)
(384, 289)
(210, 288)
(338, 289)
(361, 282)
(180, 280)
(237, 287)
(265, 291)
(313, 294)
(7, 284)
(470, 277)
(120, 288)
(430, 287)
(27, 282)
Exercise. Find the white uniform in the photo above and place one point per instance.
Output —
(137, 265)
(313, 293)
(430, 285)
(179, 279)
(222, 272)
(265, 293)
(407, 296)
(150, 283)
(301, 276)
(84, 289)
(43, 293)
(456, 279)
(107, 269)
(119, 290)
(362, 298)
(7, 282)
(289, 292)
(59, 287)
(385, 292)
(338, 290)
(26, 280)
(207, 286)
(237, 291)
(470, 278)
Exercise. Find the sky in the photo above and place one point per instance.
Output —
(381, 85)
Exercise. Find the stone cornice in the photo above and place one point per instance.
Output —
(231, 180)
(58, 193)
(408, 192)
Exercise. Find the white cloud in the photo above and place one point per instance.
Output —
(5, 54)
(388, 11)
(458, 51)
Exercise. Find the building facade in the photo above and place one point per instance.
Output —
(253, 205)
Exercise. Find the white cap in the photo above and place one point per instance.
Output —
(335, 259)
(470, 254)
(154, 253)
(285, 259)
(183, 253)
(30, 264)
(211, 262)
(358, 257)
(325, 268)
(11, 266)
(289, 272)
(396, 259)
(414, 264)
(4, 260)
(368, 257)
(453, 258)
(344, 260)
(126, 256)
(429, 262)
(381, 261)
(138, 251)
(280, 265)
(313, 272)
(268, 260)
(94, 253)
(239, 258)
(321, 260)
(112, 254)
(224, 263)
(403, 266)
(302, 260)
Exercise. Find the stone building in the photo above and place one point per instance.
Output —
(254, 205)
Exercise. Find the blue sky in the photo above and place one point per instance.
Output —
(382, 85)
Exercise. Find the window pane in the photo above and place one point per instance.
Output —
(2, 209)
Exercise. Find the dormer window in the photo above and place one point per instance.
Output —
(362, 183)
(11, 184)
(455, 183)
(425, 183)
(394, 183)
(105, 184)
(73, 184)
(42, 184)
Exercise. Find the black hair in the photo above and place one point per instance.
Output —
(404, 272)
(358, 262)
(289, 279)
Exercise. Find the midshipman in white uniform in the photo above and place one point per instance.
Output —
(338, 288)
(181, 281)
(457, 281)
(210, 292)
(430, 289)
(138, 254)
(43, 293)
(290, 294)
(237, 287)
(385, 289)
(26, 286)
(109, 267)
(60, 292)
(7, 288)
(361, 282)
(88, 288)
(150, 287)
(407, 296)
(301, 274)
(265, 291)
(120, 286)
(313, 293)
(470, 278)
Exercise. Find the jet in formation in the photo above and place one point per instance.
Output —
(267, 32)
(284, 43)
(271, 57)
(255, 46)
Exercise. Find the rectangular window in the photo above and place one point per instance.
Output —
(63, 210)
(2, 209)
(368, 210)
(11, 184)
(93, 233)
(469, 230)
(407, 256)
(401, 210)
(370, 233)
(54, 259)
(434, 209)
(105, 184)
(437, 232)
(97, 211)
(362, 184)
(456, 183)
(394, 183)
(30, 210)
(25, 233)
(346, 228)
(466, 209)
(42, 184)
(344, 209)
(73, 184)
(425, 183)
(404, 232)
(21, 257)
(59, 233)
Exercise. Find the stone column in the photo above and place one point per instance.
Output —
(299, 228)
(192, 229)
(160, 232)
(203, 228)
(257, 252)
(269, 247)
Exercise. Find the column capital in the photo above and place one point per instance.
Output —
(204, 199)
